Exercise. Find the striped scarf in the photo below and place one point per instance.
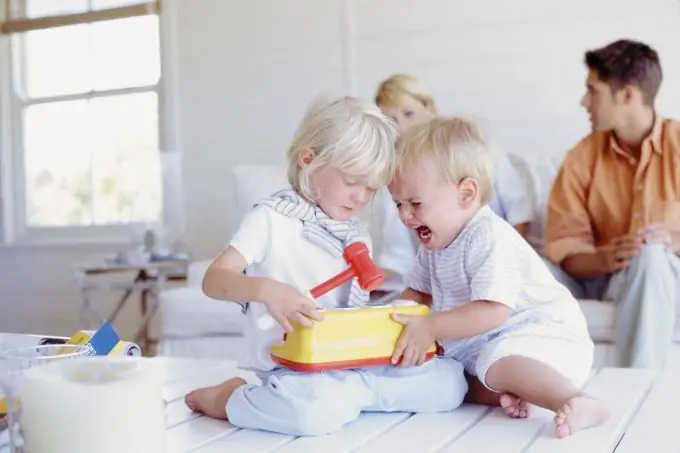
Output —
(331, 235)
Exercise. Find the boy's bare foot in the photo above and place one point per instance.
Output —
(212, 401)
(514, 407)
(580, 412)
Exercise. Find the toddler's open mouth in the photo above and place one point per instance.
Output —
(424, 233)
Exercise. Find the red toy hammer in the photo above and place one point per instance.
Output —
(361, 266)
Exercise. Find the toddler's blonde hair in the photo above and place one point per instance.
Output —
(346, 133)
(392, 90)
(457, 147)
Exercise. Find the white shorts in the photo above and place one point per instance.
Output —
(572, 356)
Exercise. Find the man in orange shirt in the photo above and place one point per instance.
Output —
(614, 210)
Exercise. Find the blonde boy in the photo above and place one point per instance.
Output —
(496, 307)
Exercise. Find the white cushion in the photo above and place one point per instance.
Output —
(600, 317)
(187, 312)
(207, 347)
(196, 271)
(254, 182)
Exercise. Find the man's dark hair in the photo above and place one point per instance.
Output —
(627, 62)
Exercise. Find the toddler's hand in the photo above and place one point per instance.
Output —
(414, 342)
(286, 304)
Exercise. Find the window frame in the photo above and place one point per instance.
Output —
(14, 229)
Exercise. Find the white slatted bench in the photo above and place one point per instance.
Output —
(643, 407)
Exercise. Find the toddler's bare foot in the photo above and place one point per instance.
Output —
(212, 401)
(514, 407)
(580, 412)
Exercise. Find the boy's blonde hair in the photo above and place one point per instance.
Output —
(457, 147)
(392, 90)
(346, 133)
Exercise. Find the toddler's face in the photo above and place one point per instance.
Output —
(339, 195)
(435, 210)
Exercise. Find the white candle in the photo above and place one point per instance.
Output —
(93, 404)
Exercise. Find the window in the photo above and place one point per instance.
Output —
(83, 118)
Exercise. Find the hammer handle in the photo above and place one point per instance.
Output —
(332, 283)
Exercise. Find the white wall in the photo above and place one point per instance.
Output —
(516, 63)
(246, 70)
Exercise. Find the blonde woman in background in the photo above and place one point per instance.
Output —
(403, 98)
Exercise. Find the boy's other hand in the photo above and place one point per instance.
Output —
(414, 342)
(286, 304)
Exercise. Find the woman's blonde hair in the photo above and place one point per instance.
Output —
(346, 133)
(457, 147)
(392, 90)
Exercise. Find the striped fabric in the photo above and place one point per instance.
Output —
(332, 235)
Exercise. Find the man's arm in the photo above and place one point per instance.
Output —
(584, 265)
(569, 235)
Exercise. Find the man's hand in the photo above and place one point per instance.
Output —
(416, 339)
(656, 234)
(286, 304)
(617, 254)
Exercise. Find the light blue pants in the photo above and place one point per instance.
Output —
(310, 404)
(647, 295)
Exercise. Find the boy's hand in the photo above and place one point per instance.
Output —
(286, 304)
(414, 342)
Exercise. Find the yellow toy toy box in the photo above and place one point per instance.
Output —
(346, 338)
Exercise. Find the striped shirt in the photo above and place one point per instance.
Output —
(489, 260)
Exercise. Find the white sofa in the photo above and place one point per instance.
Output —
(196, 326)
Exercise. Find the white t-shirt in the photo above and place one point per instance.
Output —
(489, 260)
(273, 245)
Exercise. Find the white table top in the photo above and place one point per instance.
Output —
(643, 407)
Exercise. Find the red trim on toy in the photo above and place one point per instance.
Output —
(340, 365)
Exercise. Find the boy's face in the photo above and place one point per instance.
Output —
(435, 210)
(339, 195)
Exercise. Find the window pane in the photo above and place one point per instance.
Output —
(57, 162)
(106, 55)
(93, 162)
(56, 61)
(126, 53)
(42, 8)
(126, 165)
